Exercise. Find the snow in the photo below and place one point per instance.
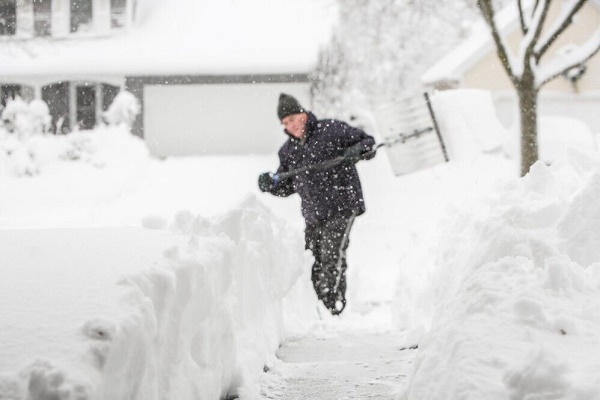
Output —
(188, 312)
(123, 110)
(126, 276)
(577, 55)
(515, 313)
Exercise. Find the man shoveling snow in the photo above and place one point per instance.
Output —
(317, 162)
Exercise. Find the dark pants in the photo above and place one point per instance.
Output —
(328, 242)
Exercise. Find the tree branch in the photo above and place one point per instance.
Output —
(559, 29)
(539, 17)
(535, 6)
(524, 27)
(586, 51)
(487, 10)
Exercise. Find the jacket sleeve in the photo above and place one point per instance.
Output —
(285, 187)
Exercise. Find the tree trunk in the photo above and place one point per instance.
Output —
(528, 98)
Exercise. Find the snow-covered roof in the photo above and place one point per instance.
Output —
(191, 37)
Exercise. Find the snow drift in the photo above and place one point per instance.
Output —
(199, 322)
(515, 312)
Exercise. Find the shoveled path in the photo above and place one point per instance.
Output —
(344, 366)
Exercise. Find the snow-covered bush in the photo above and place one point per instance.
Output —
(39, 114)
(21, 123)
(25, 119)
(123, 110)
(101, 147)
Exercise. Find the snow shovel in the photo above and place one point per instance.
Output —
(388, 142)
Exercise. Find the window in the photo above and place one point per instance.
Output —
(118, 13)
(86, 106)
(81, 15)
(57, 97)
(8, 17)
(42, 17)
(109, 92)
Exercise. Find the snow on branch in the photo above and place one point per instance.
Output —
(562, 22)
(577, 56)
(506, 57)
(540, 12)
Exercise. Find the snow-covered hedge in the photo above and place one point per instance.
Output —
(516, 283)
(25, 119)
(100, 147)
(26, 147)
(200, 323)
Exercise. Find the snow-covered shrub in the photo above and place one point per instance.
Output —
(99, 148)
(123, 110)
(39, 114)
(15, 158)
(25, 119)
(21, 123)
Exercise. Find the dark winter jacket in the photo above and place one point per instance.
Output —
(329, 193)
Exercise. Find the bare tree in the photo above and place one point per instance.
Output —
(525, 69)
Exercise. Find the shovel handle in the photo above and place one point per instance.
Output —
(389, 142)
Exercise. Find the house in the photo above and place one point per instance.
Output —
(474, 64)
(208, 73)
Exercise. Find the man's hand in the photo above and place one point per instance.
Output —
(266, 182)
(354, 153)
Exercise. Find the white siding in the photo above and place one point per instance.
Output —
(24, 19)
(101, 12)
(60, 18)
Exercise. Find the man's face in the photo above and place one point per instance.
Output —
(295, 124)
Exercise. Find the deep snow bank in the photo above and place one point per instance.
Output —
(209, 318)
(197, 323)
(516, 283)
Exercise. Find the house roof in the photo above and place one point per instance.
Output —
(454, 64)
(194, 37)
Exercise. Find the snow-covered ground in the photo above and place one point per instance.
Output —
(130, 277)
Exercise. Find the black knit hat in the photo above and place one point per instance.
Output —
(287, 106)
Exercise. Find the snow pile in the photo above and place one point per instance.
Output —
(123, 110)
(106, 146)
(210, 318)
(25, 119)
(467, 120)
(198, 323)
(515, 297)
(557, 132)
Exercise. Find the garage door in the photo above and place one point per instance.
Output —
(216, 118)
